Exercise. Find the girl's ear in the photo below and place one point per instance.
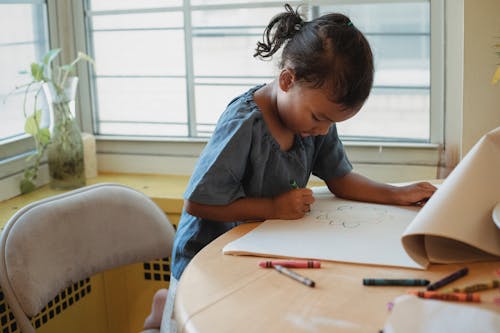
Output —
(286, 79)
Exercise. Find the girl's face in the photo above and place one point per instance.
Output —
(307, 111)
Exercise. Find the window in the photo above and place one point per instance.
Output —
(166, 69)
(399, 105)
(24, 39)
(169, 68)
(25, 24)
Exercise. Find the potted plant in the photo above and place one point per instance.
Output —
(62, 139)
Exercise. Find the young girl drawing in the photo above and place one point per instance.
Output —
(283, 131)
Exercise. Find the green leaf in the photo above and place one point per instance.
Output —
(44, 136)
(26, 186)
(31, 125)
(30, 173)
(49, 56)
(68, 68)
(86, 57)
(37, 71)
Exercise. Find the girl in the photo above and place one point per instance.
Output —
(283, 131)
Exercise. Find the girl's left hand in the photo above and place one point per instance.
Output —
(415, 194)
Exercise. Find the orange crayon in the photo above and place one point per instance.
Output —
(457, 297)
(291, 263)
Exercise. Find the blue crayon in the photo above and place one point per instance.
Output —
(448, 279)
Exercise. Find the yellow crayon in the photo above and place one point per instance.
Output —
(475, 287)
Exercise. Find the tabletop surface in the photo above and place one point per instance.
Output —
(225, 293)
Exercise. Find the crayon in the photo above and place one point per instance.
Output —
(395, 282)
(475, 287)
(293, 184)
(457, 297)
(297, 277)
(448, 279)
(291, 263)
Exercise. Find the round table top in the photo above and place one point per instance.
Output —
(226, 293)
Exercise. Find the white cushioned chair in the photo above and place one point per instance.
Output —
(52, 243)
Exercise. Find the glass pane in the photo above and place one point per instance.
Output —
(399, 105)
(235, 17)
(131, 4)
(395, 114)
(138, 21)
(153, 52)
(142, 106)
(25, 43)
(401, 60)
(220, 2)
(211, 101)
(240, 28)
(237, 60)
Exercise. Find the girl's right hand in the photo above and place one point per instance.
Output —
(293, 204)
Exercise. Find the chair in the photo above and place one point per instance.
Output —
(52, 243)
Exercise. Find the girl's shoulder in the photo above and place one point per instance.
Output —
(242, 109)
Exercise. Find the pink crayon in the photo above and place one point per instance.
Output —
(291, 263)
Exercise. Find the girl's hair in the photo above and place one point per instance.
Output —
(326, 52)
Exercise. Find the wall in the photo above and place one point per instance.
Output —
(472, 103)
(481, 100)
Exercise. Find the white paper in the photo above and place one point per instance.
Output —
(337, 230)
(411, 314)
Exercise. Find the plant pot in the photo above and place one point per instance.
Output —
(65, 151)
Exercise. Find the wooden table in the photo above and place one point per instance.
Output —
(224, 293)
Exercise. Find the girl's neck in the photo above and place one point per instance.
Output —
(266, 100)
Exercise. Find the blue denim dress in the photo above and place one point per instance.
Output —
(242, 159)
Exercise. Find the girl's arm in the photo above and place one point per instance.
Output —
(289, 205)
(354, 186)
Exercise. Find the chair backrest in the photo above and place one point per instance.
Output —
(53, 243)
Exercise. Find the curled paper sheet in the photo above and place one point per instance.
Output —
(456, 224)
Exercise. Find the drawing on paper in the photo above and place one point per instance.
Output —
(350, 217)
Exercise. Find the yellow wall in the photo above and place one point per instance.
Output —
(481, 100)
(472, 102)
